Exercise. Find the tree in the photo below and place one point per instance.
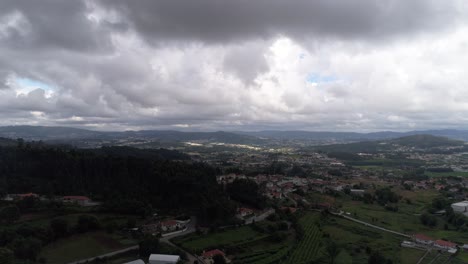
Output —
(9, 214)
(246, 191)
(332, 250)
(219, 259)
(376, 258)
(59, 226)
(131, 222)
(87, 222)
(6, 256)
(428, 220)
(148, 245)
(26, 248)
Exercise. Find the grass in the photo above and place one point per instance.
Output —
(405, 220)
(196, 243)
(245, 245)
(80, 247)
(308, 249)
(355, 239)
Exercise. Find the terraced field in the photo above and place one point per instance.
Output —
(308, 248)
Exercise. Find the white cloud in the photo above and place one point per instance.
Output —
(275, 80)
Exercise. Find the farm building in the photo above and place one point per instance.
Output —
(163, 259)
(461, 207)
(81, 200)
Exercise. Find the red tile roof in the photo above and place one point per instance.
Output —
(212, 253)
(245, 210)
(290, 209)
(169, 223)
(422, 237)
(444, 243)
(27, 195)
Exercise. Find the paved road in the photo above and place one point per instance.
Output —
(370, 225)
(425, 254)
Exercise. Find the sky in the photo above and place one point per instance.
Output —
(206, 65)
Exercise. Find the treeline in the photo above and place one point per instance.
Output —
(132, 183)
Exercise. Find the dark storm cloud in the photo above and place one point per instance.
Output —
(52, 24)
(219, 64)
(223, 20)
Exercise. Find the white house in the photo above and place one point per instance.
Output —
(163, 259)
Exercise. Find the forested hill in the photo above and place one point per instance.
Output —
(125, 183)
(4, 142)
(427, 143)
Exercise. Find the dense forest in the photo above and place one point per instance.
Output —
(126, 180)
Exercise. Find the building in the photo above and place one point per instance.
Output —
(423, 239)
(19, 196)
(171, 225)
(243, 212)
(163, 259)
(208, 256)
(460, 207)
(357, 192)
(446, 245)
(81, 200)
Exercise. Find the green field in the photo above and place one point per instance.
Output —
(197, 243)
(308, 249)
(81, 246)
(243, 244)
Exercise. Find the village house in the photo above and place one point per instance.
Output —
(208, 256)
(171, 225)
(445, 245)
(274, 195)
(19, 196)
(80, 200)
(291, 210)
(243, 212)
(423, 239)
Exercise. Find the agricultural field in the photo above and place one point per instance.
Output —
(308, 249)
(244, 245)
(82, 246)
(197, 243)
(405, 220)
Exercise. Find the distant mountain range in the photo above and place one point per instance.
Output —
(68, 134)
(354, 136)
(429, 143)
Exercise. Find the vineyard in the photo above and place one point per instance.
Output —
(271, 255)
(308, 248)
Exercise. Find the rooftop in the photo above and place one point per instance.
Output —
(160, 257)
(464, 203)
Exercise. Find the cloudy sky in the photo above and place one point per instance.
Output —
(349, 65)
